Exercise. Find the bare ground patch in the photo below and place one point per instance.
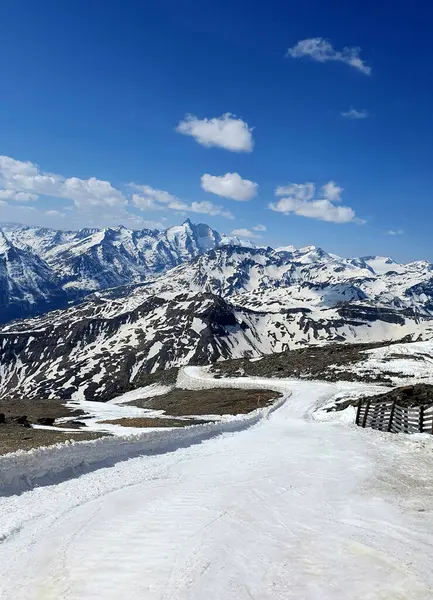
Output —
(37, 409)
(18, 416)
(313, 362)
(16, 437)
(224, 401)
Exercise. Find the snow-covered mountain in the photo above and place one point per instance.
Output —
(61, 266)
(228, 302)
(27, 284)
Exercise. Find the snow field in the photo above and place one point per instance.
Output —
(289, 509)
(20, 470)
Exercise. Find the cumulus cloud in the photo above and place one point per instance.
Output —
(227, 131)
(259, 228)
(300, 199)
(354, 113)
(230, 185)
(154, 199)
(332, 192)
(321, 50)
(303, 191)
(55, 213)
(26, 177)
(95, 201)
(395, 232)
(245, 233)
(26, 208)
(208, 208)
(17, 196)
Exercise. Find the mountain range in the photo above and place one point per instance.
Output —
(190, 295)
(42, 269)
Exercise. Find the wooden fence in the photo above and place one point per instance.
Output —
(389, 416)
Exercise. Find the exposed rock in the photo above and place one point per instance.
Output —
(46, 421)
(22, 420)
(420, 394)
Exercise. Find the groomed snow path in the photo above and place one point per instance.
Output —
(289, 508)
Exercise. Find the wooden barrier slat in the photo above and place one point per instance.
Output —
(395, 429)
(367, 406)
(358, 412)
(381, 422)
(399, 419)
(390, 416)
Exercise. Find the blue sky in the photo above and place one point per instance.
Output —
(93, 92)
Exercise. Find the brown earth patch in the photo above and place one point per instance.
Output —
(37, 409)
(16, 437)
(313, 362)
(208, 402)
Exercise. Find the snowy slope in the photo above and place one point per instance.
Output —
(90, 260)
(27, 284)
(108, 344)
(289, 509)
(75, 263)
(228, 302)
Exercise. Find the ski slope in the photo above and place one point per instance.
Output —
(290, 508)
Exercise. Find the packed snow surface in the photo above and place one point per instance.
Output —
(290, 508)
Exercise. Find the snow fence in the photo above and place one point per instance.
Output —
(23, 469)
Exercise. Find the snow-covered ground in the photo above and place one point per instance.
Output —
(290, 508)
(403, 363)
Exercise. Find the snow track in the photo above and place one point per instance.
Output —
(41, 466)
(289, 508)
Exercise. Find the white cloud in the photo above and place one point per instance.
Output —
(299, 199)
(395, 232)
(154, 199)
(27, 208)
(259, 228)
(354, 113)
(245, 233)
(94, 192)
(17, 196)
(303, 191)
(321, 50)
(332, 192)
(208, 208)
(97, 201)
(21, 176)
(226, 131)
(230, 185)
(54, 213)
